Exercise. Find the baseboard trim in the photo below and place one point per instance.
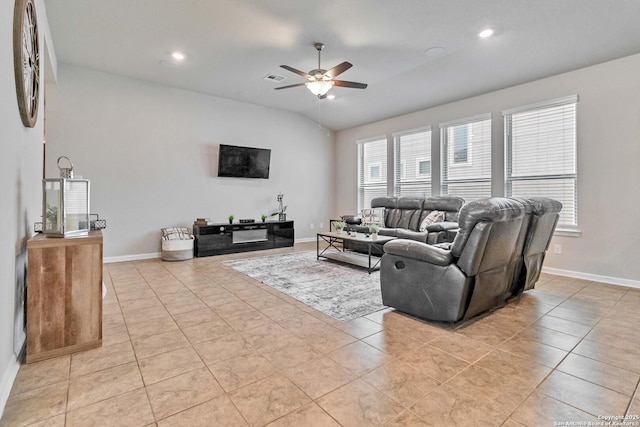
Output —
(305, 240)
(123, 258)
(8, 377)
(139, 257)
(595, 277)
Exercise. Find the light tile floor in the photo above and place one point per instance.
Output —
(196, 343)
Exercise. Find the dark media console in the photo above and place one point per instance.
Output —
(219, 239)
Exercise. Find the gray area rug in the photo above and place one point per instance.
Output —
(339, 290)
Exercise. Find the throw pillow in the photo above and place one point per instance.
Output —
(432, 218)
(373, 216)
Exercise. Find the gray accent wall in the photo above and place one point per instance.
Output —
(21, 161)
(608, 127)
(151, 151)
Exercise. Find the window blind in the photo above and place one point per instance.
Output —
(541, 155)
(413, 163)
(372, 171)
(466, 158)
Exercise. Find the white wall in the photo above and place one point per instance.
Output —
(608, 161)
(150, 152)
(20, 188)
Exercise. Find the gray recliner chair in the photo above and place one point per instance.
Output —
(456, 284)
(544, 215)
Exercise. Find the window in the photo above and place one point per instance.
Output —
(372, 171)
(540, 154)
(460, 145)
(413, 163)
(423, 168)
(466, 157)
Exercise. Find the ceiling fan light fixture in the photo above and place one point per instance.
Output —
(319, 87)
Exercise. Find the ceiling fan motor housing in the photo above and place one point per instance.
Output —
(319, 74)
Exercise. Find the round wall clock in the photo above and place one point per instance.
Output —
(26, 60)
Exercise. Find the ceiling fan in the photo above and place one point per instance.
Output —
(320, 81)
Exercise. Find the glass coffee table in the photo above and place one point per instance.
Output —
(331, 251)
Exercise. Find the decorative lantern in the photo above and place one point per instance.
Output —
(65, 205)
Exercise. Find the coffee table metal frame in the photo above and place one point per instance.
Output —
(350, 257)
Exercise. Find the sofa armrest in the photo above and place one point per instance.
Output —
(418, 251)
(358, 228)
(351, 219)
(442, 226)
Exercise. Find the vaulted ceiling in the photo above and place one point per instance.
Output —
(230, 46)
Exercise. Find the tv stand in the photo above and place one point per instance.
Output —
(219, 239)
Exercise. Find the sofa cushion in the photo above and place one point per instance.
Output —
(384, 202)
(490, 210)
(393, 232)
(448, 204)
(406, 214)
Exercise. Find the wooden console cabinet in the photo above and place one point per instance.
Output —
(64, 295)
(218, 239)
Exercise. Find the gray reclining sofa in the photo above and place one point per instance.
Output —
(404, 215)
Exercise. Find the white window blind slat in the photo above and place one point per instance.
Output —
(372, 171)
(466, 158)
(413, 163)
(541, 155)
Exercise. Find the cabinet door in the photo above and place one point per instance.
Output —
(283, 234)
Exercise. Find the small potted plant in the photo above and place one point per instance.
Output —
(373, 229)
(264, 217)
(339, 226)
(231, 219)
(282, 216)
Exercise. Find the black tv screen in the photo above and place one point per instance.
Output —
(243, 162)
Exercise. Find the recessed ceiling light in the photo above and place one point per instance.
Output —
(486, 33)
(178, 56)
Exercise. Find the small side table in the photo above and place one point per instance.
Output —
(64, 295)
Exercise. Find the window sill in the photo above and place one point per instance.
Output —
(567, 232)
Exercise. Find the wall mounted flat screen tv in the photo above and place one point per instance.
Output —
(243, 162)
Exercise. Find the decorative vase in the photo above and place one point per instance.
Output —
(282, 217)
(230, 221)
(339, 230)
(374, 236)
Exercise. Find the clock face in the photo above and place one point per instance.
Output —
(26, 60)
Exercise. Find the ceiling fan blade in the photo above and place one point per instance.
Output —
(353, 85)
(287, 87)
(293, 70)
(338, 69)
